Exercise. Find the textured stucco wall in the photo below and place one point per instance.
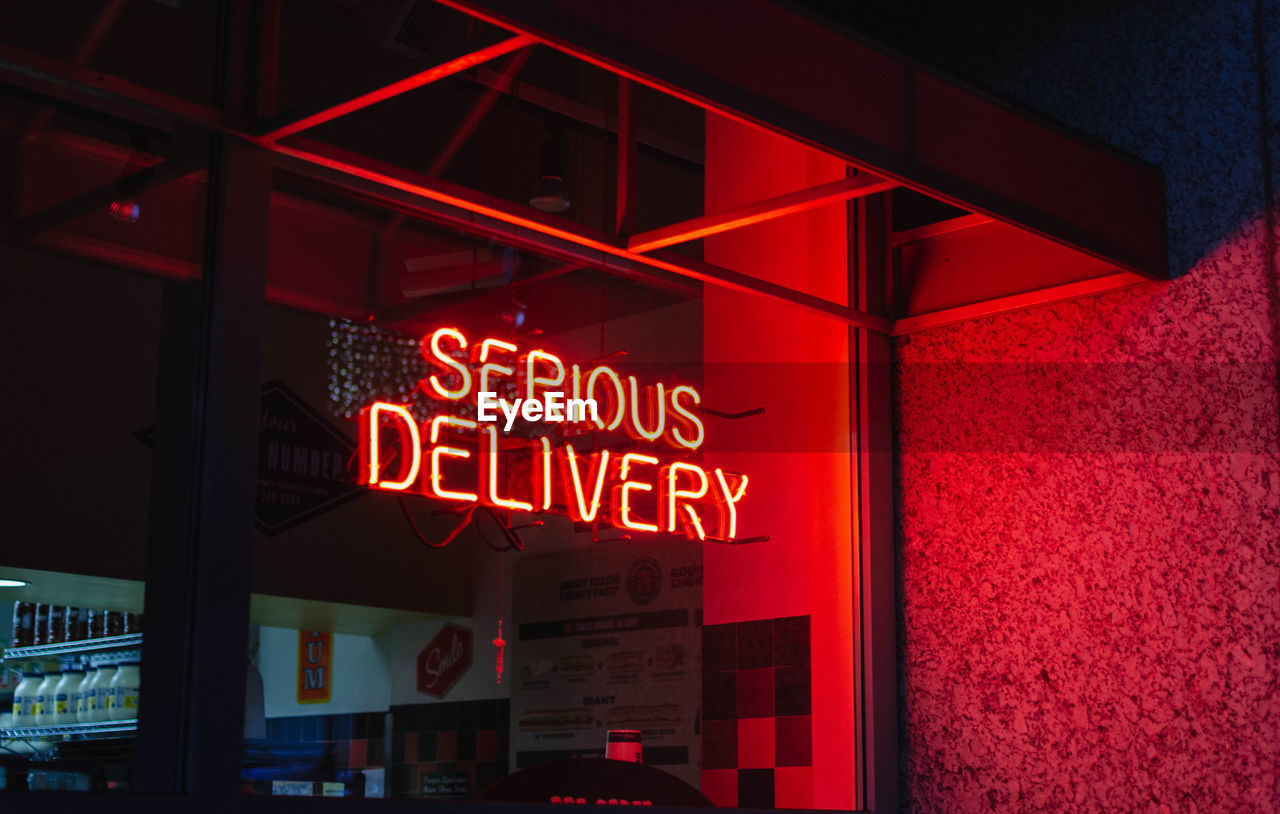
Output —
(1090, 492)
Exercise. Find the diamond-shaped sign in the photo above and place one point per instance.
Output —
(444, 660)
(302, 462)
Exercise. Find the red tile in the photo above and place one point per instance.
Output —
(446, 747)
(793, 787)
(755, 743)
(357, 758)
(755, 693)
(720, 745)
(721, 787)
(487, 744)
(793, 741)
(411, 747)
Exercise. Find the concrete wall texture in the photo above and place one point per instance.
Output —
(1090, 491)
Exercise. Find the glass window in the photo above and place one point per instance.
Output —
(86, 283)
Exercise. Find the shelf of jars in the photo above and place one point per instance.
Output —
(90, 647)
(67, 730)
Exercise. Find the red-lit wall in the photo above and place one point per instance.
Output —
(759, 353)
(1090, 492)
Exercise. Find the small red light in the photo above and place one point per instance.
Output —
(127, 211)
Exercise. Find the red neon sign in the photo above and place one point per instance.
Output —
(463, 461)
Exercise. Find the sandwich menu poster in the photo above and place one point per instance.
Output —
(608, 638)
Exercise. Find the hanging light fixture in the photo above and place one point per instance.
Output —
(550, 193)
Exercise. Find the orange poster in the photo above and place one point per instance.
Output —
(315, 663)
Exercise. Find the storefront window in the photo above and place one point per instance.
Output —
(450, 609)
(89, 289)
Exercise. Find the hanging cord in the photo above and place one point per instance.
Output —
(453, 535)
(500, 642)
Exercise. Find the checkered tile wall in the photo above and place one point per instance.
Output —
(757, 737)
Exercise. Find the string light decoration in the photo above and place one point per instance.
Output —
(368, 363)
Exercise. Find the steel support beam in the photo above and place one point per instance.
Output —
(88, 46)
(760, 211)
(628, 137)
(943, 227)
(602, 249)
(479, 110)
(282, 127)
(96, 200)
(1018, 302)
(874, 562)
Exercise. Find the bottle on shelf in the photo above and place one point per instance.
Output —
(41, 625)
(57, 631)
(96, 621)
(77, 624)
(133, 623)
(24, 623)
(24, 698)
(115, 623)
(100, 700)
(85, 697)
(45, 696)
(66, 695)
(124, 691)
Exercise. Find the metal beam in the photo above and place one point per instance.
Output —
(96, 200)
(628, 135)
(940, 228)
(1018, 302)
(543, 232)
(479, 110)
(288, 126)
(760, 211)
(894, 118)
(88, 46)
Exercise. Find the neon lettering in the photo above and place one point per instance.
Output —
(582, 512)
(491, 476)
(685, 415)
(624, 517)
(435, 388)
(676, 496)
(409, 443)
(438, 452)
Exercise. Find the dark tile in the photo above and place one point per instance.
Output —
(402, 720)
(326, 727)
(397, 749)
(791, 692)
(467, 715)
(486, 744)
(489, 772)
(342, 728)
(504, 742)
(293, 730)
(377, 724)
(720, 696)
(719, 744)
(791, 641)
(793, 741)
(429, 718)
(447, 717)
(489, 714)
(359, 726)
(427, 751)
(466, 744)
(755, 788)
(755, 693)
(376, 753)
(755, 644)
(719, 648)
(275, 729)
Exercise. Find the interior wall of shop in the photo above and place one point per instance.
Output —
(1090, 491)
(802, 462)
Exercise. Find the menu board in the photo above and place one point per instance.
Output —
(608, 638)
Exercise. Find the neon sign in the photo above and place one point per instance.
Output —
(455, 459)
